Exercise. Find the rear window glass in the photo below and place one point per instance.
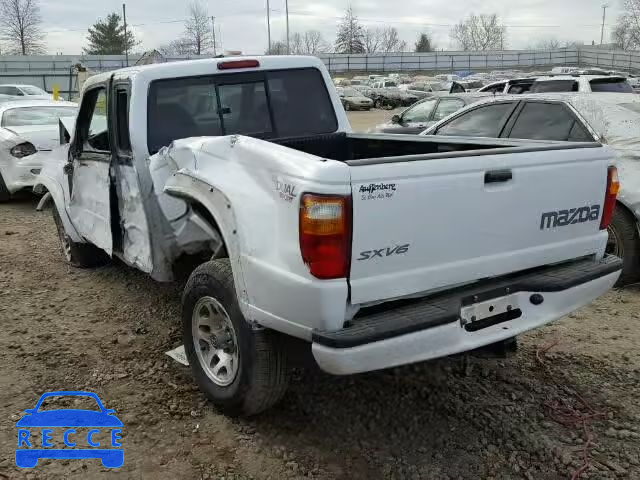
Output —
(484, 121)
(31, 90)
(555, 86)
(617, 85)
(271, 104)
(544, 121)
(17, 117)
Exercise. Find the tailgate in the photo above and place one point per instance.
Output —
(429, 224)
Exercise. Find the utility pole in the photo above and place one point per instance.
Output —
(604, 15)
(268, 28)
(126, 39)
(286, 7)
(213, 29)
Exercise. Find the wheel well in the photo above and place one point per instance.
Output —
(184, 264)
(629, 213)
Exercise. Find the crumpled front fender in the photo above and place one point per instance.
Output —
(52, 179)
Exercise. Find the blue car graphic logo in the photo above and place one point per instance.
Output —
(35, 433)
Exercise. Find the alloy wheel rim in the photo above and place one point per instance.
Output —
(614, 245)
(215, 341)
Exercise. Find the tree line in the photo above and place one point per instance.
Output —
(21, 33)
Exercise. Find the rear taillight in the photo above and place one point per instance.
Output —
(23, 150)
(613, 186)
(325, 234)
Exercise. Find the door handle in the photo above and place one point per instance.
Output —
(498, 176)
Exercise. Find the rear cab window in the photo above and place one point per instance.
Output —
(265, 104)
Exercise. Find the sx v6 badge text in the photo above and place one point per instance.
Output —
(384, 252)
(98, 428)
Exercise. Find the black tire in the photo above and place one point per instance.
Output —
(5, 196)
(262, 373)
(376, 103)
(80, 255)
(624, 242)
(347, 106)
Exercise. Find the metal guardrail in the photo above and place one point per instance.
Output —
(46, 71)
(439, 62)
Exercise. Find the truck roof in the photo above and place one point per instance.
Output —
(206, 66)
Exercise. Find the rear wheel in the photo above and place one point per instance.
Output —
(243, 371)
(624, 242)
(5, 196)
(81, 255)
(347, 106)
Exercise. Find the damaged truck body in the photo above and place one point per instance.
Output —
(374, 250)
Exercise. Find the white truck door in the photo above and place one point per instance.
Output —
(88, 171)
(130, 228)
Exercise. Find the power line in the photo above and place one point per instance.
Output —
(159, 22)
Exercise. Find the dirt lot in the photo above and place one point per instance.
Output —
(362, 121)
(461, 418)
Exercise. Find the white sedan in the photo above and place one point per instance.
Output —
(27, 128)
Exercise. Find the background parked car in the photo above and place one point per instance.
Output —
(604, 117)
(424, 89)
(581, 83)
(30, 91)
(427, 112)
(352, 99)
(27, 128)
(515, 86)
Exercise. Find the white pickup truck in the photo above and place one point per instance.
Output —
(374, 250)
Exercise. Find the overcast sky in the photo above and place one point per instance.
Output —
(242, 23)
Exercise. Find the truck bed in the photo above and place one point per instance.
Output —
(364, 149)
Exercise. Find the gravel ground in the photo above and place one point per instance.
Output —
(526, 416)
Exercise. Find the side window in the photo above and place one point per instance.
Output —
(419, 112)
(543, 121)
(122, 119)
(495, 89)
(579, 134)
(446, 107)
(484, 121)
(92, 133)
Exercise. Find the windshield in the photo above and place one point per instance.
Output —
(31, 90)
(634, 107)
(350, 92)
(271, 104)
(390, 84)
(616, 85)
(17, 117)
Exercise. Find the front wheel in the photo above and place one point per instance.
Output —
(81, 255)
(624, 242)
(347, 106)
(243, 371)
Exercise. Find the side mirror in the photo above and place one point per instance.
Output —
(395, 119)
(109, 411)
(29, 410)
